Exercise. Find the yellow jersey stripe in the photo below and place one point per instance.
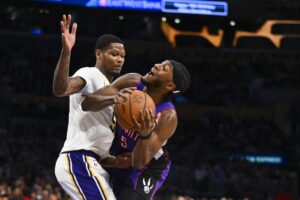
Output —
(72, 177)
(103, 191)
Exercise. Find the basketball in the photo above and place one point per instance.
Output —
(136, 101)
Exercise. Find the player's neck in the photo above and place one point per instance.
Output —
(156, 96)
(109, 76)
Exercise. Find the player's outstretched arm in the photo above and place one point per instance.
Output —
(63, 85)
(110, 94)
(148, 145)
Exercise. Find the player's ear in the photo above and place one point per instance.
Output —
(98, 54)
(170, 86)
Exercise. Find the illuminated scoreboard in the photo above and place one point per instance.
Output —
(197, 7)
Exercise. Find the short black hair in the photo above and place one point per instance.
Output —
(105, 40)
(181, 77)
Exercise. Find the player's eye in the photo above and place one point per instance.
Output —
(165, 67)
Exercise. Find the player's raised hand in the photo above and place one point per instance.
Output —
(68, 38)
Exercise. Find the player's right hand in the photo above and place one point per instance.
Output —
(68, 38)
(122, 95)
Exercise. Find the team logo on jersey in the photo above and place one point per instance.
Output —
(147, 186)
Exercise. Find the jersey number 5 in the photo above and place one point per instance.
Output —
(123, 141)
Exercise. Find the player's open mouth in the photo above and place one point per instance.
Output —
(150, 73)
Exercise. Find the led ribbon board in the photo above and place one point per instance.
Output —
(198, 7)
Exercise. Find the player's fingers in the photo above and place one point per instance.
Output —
(118, 99)
(136, 123)
(149, 121)
(64, 21)
(151, 114)
(133, 88)
(123, 96)
(68, 22)
(126, 90)
(157, 118)
(64, 18)
(152, 118)
(142, 118)
(74, 28)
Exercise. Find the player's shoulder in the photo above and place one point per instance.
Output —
(86, 70)
(169, 112)
(165, 106)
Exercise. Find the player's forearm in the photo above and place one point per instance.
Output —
(95, 102)
(61, 74)
(108, 162)
(141, 155)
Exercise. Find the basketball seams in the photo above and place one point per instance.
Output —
(137, 101)
(121, 117)
(130, 110)
(145, 102)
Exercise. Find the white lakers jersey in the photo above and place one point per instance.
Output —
(89, 130)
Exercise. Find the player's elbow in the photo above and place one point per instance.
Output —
(58, 93)
(85, 106)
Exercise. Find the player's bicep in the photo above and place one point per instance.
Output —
(75, 84)
(165, 128)
(127, 80)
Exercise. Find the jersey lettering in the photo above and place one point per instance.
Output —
(132, 134)
(124, 142)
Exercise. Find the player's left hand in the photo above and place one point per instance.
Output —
(147, 122)
(123, 160)
(121, 96)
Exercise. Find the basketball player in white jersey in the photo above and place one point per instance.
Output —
(89, 134)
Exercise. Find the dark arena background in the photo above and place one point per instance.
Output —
(239, 122)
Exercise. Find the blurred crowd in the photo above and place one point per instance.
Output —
(202, 165)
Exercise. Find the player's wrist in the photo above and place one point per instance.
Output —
(146, 136)
(66, 51)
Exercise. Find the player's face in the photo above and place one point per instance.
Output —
(159, 75)
(113, 58)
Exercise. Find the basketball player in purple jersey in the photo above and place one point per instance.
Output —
(150, 162)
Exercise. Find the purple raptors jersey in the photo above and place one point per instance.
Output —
(124, 141)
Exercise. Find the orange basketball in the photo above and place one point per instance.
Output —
(136, 101)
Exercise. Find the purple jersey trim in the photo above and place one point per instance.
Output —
(140, 86)
(162, 179)
(167, 105)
